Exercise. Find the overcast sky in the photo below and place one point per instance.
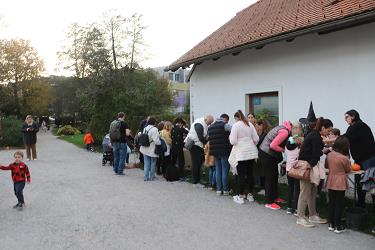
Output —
(173, 27)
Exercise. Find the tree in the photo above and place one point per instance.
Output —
(137, 44)
(19, 62)
(37, 94)
(115, 29)
(85, 51)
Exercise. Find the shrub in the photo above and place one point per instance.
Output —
(68, 130)
(10, 132)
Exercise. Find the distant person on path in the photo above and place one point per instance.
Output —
(244, 139)
(178, 135)
(118, 134)
(88, 140)
(20, 174)
(197, 137)
(149, 156)
(29, 130)
(218, 137)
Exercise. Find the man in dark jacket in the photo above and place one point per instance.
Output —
(120, 146)
(218, 137)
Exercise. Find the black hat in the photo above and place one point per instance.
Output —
(310, 116)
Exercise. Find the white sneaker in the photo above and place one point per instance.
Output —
(317, 220)
(238, 199)
(218, 193)
(262, 192)
(250, 197)
(225, 193)
(304, 222)
(35, 159)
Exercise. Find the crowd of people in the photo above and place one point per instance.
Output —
(314, 152)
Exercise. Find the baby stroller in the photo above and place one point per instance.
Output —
(107, 151)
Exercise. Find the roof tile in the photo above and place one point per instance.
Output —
(267, 18)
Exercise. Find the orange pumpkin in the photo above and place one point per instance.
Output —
(356, 167)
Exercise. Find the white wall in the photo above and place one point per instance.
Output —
(336, 71)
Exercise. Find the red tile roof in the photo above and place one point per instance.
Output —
(272, 18)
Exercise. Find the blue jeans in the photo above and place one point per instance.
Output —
(212, 176)
(119, 155)
(222, 171)
(149, 167)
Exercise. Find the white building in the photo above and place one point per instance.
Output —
(281, 60)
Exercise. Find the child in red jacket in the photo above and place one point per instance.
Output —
(20, 174)
(88, 140)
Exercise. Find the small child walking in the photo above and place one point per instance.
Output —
(20, 175)
(338, 163)
(88, 140)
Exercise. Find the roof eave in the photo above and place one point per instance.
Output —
(346, 22)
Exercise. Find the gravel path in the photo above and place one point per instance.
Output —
(75, 203)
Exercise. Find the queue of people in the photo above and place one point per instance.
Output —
(253, 151)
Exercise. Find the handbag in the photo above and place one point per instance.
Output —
(189, 143)
(301, 170)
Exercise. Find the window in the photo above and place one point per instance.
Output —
(265, 106)
(170, 77)
(177, 77)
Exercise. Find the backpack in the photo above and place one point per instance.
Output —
(143, 139)
(162, 148)
(114, 130)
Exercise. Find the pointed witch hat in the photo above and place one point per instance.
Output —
(310, 116)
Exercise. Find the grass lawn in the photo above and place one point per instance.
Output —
(75, 139)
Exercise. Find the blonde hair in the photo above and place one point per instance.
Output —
(297, 125)
(168, 126)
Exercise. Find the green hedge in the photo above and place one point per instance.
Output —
(68, 130)
(10, 132)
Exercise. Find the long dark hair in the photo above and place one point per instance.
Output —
(321, 122)
(265, 125)
(341, 145)
(241, 116)
(353, 113)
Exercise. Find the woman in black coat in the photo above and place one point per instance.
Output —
(362, 147)
(29, 130)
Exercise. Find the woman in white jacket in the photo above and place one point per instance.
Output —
(149, 155)
(244, 139)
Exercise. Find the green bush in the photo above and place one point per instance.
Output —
(10, 132)
(68, 130)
